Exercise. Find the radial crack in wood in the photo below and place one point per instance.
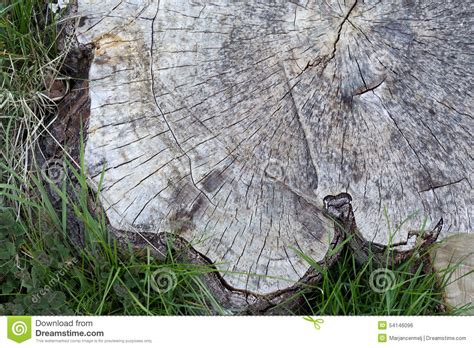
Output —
(228, 123)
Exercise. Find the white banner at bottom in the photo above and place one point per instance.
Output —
(239, 332)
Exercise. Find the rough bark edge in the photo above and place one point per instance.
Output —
(235, 300)
(339, 207)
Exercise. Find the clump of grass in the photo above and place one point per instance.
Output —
(369, 288)
(45, 273)
(29, 62)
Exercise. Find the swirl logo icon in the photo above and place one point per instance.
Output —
(53, 171)
(382, 280)
(163, 280)
(19, 328)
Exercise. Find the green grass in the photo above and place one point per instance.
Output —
(100, 279)
(29, 62)
(411, 287)
(42, 271)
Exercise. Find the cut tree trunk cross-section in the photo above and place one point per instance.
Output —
(233, 124)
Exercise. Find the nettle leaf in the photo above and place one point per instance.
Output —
(8, 250)
(5, 254)
(18, 231)
(15, 308)
(8, 286)
(120, 291)
(130, 281)
(62, 251)
(11, 265)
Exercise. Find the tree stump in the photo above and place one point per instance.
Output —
(236, 125)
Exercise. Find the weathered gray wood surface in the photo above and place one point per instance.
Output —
(228, 123)
(454, 258)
